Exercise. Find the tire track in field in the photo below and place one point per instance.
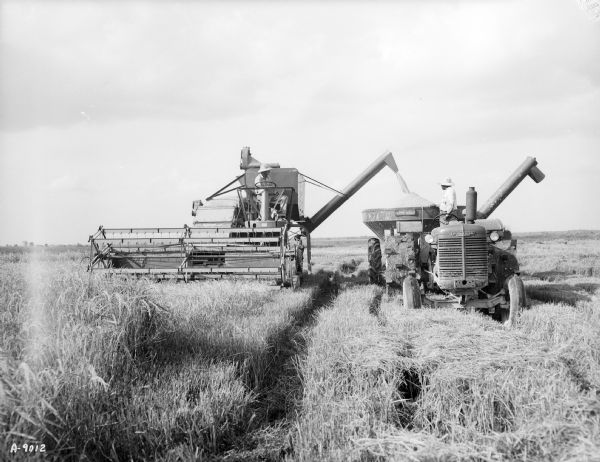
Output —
(282, 389)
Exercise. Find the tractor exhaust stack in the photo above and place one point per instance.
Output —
(471, 208)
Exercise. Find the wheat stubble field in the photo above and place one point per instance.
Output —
(115, 369)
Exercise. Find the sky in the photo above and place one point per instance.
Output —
(122, 113)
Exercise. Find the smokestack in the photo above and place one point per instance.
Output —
(471, 211)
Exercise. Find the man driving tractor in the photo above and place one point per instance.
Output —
(448, 204)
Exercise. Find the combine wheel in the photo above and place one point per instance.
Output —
(296, 282)
(411, 294)
(375, 263)
(299, 251)
(288, 272)
(517, 299)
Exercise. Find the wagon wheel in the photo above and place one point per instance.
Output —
(411, 294)
(375, 263)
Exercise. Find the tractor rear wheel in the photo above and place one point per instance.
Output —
(517, 299)
(375, 263)
(411, 294)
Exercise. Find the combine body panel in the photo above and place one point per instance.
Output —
(217, 213)
(290, 178)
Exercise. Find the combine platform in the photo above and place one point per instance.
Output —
(194, 253)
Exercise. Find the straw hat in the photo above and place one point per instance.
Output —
(264, 168)
(447, 182)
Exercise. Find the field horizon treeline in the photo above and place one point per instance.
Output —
(575, 234)
(106, 368)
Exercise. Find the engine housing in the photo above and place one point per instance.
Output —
(462, 257)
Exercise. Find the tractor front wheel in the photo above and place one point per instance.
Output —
(411, 294)
(517, 299)
(375, 262)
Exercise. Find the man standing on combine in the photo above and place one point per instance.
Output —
(448, 204)
(263, 180)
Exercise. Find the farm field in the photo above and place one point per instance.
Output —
(113, 369)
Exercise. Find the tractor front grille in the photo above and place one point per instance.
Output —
(463, 258)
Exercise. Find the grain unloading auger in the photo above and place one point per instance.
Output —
(254, 227)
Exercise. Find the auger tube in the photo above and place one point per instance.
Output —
(527, 168)
(335, 203)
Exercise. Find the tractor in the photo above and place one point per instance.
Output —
(462, 259)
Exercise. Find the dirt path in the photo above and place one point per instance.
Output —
(281, 391)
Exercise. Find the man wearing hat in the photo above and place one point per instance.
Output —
(448, 203)
(263, 180)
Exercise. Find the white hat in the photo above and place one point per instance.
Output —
(264, 168)
(447, 182)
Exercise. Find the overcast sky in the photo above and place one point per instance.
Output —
(122, 113)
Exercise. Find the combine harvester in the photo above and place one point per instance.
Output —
(462, 259)
(244, 230)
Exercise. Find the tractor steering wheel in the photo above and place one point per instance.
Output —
(447, 215)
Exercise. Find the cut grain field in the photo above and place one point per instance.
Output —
(114, 369)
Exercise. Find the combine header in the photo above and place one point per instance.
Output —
(253, 227)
